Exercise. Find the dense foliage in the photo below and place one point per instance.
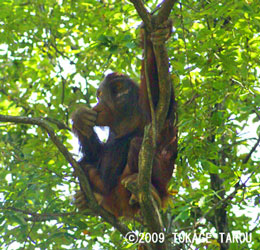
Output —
(54, 53)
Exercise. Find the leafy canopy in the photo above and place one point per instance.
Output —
(54, 53)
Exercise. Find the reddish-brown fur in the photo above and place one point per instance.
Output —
(125, 109)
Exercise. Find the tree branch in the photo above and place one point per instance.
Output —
(59, 124)
(164, 84)
(223, 201)
(252, 151)
(38, 217)
(145, 162)
(143, 13)
(93, 205)
(148, 86)
(164, 11)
